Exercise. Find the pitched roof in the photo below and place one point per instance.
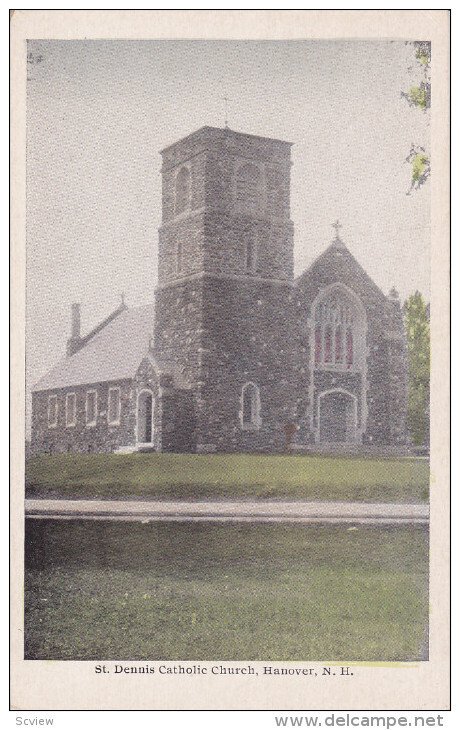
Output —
(114, 353)
(339, 260)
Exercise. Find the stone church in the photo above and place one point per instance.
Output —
(235, 354)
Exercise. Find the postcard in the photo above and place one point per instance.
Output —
(230, 263)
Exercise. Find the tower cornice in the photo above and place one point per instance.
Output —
(244, 278)
(216, 210)
(223, 133)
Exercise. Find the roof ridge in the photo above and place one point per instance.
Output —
(112, 353)
(225, 131)
(99, 327)
(343, 249)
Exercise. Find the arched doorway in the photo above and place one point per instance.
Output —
(337, 417)
(145, 417)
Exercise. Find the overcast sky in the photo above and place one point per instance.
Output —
(100, 111)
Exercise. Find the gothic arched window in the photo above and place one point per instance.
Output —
(249, 188)
(182, 192)
(250, 407)
(339, 331)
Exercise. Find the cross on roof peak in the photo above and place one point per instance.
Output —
(337, 225)
(337, 240)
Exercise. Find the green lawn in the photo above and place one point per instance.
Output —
(127, 591)
(193, 476)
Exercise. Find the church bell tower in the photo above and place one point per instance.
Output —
(224, 304)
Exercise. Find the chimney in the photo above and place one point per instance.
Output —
(73, 343)
(76, 321)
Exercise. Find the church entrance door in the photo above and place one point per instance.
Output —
(145, 417)
(337, 417)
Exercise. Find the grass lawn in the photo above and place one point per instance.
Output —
(193, 476)
(128, 591)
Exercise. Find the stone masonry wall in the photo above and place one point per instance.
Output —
(228, 235)
(213, 242)
(246, 338)
(82, 438)
(189, 231)
(229, 326)
(178, 328)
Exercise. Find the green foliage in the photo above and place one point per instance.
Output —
(227, 476)
(235, 592)
(423, 56)
(421, 168)
(418, 340)
(420, 164)
(418, 96)
(423, 53)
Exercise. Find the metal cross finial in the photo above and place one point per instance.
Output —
(226, 112)
(337, 227)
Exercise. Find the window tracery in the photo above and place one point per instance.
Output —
(338, 332)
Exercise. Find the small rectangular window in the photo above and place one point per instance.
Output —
(52, 411)
(91, 408)
(113, 408)
(70, 409)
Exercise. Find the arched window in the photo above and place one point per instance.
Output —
(339, 331)
(250, 407)
(182, 193)
(249, 188)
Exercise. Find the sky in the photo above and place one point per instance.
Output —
(98, 112)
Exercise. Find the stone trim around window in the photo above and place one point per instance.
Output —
(93, 421)
(71, 412)
(110, 420)
(53, 409)
(139, 406)
(250, 406)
